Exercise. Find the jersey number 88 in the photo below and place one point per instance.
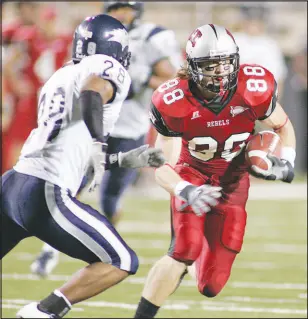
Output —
(172, 96)
(255, 85)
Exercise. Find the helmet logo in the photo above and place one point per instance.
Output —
(85, 33)
(194, 36)
(118, 35)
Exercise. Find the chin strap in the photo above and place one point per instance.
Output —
(221, 90)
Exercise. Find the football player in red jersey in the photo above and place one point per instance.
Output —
(36, 52)
(204, 118)
(26, 13)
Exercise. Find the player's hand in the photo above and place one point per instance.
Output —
(200, 198)
(280, 170)
(142, 156)
(97, 163)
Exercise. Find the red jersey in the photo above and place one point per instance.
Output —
(213, 141)
(40, 59)
(43, 57)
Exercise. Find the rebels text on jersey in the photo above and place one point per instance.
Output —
(212, 142)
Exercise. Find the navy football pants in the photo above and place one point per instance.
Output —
(34, 207)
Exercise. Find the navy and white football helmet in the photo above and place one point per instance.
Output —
(101, 34)
(137, 6)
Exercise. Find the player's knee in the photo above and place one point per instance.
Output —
(210, 292)
(134, 262)
(188, 245)
(214, 285)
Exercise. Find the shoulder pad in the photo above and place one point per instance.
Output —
(107, 68)
(155, 30)
(170, 98)
(258, 89)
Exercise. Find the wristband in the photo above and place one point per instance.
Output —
(112, 161)
(288, 153)
(180, 186)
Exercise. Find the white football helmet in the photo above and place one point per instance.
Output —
(212, 43)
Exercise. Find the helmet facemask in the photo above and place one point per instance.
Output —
(125, 60)
(202, 72)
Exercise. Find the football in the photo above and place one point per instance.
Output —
(263, 143)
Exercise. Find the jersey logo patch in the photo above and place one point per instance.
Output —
(195, 115)
(235, 110)
(120, 36)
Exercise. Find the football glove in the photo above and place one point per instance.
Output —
(281, 170)
(142, 156)
(200, 198)
(97, 164)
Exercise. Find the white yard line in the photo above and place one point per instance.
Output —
(268, 285)
(18, 303)
(183, 305)
(189, 283)
(233, 300)
(261, 300)
(259, 310)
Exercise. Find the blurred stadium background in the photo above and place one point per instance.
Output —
(269, 277)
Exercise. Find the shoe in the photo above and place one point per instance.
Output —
(31, 311)
(45, 263)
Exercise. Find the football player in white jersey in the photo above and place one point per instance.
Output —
(156, 57)
(78, 107)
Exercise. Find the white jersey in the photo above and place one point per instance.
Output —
(148, 44)
(59, 149)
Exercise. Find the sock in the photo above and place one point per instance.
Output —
(146, 309)
(56, 303)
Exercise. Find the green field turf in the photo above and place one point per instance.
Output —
(268, 280)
